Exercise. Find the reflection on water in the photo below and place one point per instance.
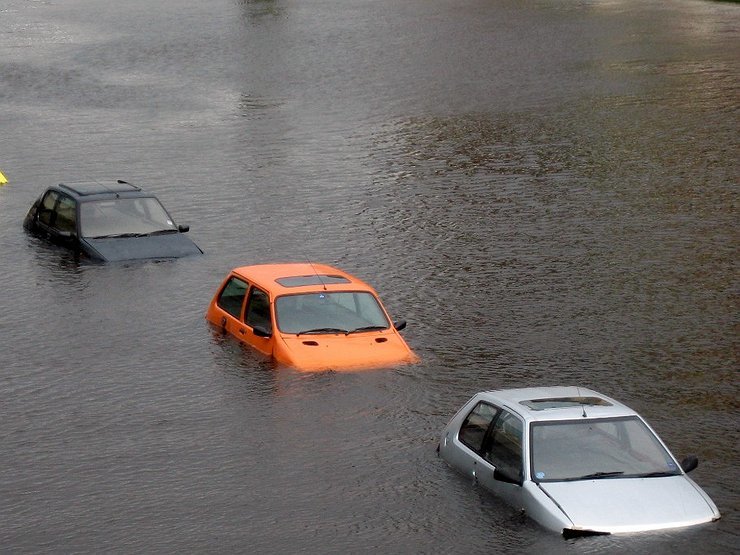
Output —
(256, 9)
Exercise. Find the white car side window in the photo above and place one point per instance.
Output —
(504, 447)
(473, 430)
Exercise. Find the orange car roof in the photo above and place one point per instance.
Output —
(267, 276)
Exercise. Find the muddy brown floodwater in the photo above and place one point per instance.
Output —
(545, 189)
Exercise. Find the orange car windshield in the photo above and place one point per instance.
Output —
(329, 312)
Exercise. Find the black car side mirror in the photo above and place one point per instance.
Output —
(183, 228)
(689, 463)
(260, 331)
(401, 324)
(505, 476)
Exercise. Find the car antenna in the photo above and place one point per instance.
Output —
(317, 274)
(583, 405)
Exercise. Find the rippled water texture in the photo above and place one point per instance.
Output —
(546, 190)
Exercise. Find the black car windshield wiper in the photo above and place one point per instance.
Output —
(117, 235)
(595, 476)
(367, 328)
(322, 330)
(135, 234)
(161, 232)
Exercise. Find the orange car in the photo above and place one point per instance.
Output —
(309, 316)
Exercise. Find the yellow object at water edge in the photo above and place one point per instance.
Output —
(3, 179)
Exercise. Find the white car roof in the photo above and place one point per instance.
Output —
(556, 403)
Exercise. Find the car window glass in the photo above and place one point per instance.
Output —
(65, 219)
(232, 297)
(47, 207)
(504, 449)
(473, 430)
(368, 308)
(623, 446)
(139, 215)
(258, 310)
(343, 310)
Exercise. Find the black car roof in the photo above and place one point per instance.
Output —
(88, 188)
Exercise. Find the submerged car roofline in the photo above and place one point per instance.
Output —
(100, 195)
(265, 276)
(84, 188)
(92, 197)
(577, 413)
(513, 398)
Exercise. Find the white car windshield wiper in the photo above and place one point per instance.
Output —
(657, 474)
(322, 330)
(595, 476)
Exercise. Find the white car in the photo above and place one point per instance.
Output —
(576, 461)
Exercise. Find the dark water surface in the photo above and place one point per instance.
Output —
(545, 189)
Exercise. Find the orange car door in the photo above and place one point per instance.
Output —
(258, 320)
(230, 304)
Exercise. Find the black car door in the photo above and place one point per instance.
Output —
(57, 218)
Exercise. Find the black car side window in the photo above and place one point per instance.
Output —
(46, 208)
(473, 430)
(232, 297)
(504, 446)
(258, 310)
(66, 215)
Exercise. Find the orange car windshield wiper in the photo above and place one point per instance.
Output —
(322, 330)
(367, 328)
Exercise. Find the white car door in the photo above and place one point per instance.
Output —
(501, 468)
(463, 449)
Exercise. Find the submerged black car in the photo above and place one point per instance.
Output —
(108, 221)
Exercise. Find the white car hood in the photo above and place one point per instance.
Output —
(621, 505)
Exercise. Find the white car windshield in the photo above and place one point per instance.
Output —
(329, 312)
(592, 449)
(124, 216)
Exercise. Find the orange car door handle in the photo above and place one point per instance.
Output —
(242, 330)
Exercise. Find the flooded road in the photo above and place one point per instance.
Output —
(546, 190)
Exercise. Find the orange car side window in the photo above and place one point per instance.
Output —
(231, 298)
(258, 310)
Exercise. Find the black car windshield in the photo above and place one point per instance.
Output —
(124, 216)
(588, 449)
(329, 312)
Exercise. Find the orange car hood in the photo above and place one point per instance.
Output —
(343, 352)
